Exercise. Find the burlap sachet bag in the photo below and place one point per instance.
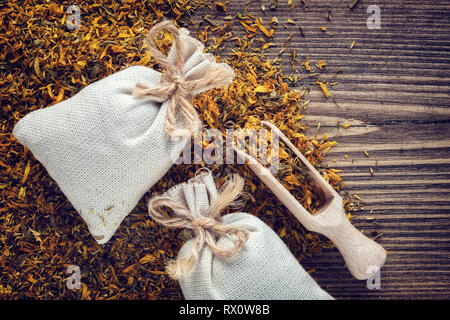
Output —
(111, 142)
(235, 256)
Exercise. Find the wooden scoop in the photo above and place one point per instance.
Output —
(363, 256)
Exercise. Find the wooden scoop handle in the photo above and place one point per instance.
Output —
(363, 256)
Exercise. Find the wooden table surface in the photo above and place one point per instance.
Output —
(394, 89)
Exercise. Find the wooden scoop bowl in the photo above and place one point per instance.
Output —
(363, 256)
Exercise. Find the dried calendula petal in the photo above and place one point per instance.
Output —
(62, 61)
(292, 179)
(263, 88)
(25, 173)
(248, 28)
(290, 21)
(324, 88)
(263, 29)
(306, 65)
(320, 64)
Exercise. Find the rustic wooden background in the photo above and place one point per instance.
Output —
(395, 89)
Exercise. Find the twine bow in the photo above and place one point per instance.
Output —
(175, 86)
(206, 228)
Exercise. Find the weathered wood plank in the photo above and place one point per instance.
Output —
(394, 89)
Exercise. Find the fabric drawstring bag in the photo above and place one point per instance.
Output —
(110, 143)
(235, 256)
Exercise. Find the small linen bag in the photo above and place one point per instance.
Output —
(236, 256)
(111, 142)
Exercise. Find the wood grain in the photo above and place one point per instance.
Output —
(394, 89)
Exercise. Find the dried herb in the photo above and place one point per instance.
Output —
(324, 88)
(354, 4)
(42, 62)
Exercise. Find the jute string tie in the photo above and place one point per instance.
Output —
(175, 86)
(206, 228)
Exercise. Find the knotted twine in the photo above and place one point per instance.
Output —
(175, 86)
(206, 228)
